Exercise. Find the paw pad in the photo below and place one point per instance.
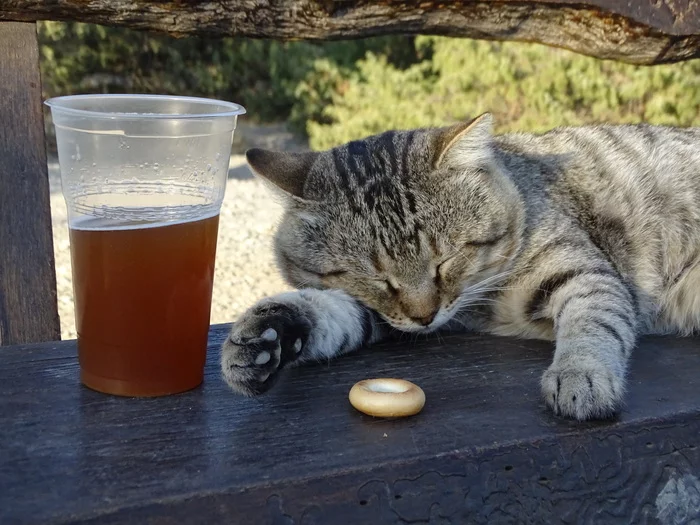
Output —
(263, 357)
(263, 341)
(269, 335)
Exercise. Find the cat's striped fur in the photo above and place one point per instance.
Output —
(588, 236)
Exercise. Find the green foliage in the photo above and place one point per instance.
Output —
(262, 75)
(339, 91)
(525, 86)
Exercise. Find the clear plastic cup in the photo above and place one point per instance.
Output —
(143, 177)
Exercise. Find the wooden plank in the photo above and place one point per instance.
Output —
(640, 32)
(28, 308)
(484, 450)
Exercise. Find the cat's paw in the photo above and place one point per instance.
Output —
(582, 391)
(265, 339)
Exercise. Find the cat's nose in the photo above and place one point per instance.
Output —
(425, 321)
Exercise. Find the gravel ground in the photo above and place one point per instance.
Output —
(245, 269)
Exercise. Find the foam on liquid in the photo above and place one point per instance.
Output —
(105, 223)
(119, 211)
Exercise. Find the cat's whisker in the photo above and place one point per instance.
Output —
(495, 277)
(475, 295)
(481, 288)
(459, 252)
(471, 305)
(456, 251)
(478, 303)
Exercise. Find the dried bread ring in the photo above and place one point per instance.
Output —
(387, 397)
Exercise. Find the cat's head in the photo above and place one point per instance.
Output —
(415, 224)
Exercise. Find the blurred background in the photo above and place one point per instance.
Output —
(317, 95)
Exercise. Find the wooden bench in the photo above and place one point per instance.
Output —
(28, 308)
(484, 450)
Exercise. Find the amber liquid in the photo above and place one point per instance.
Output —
(142, 305)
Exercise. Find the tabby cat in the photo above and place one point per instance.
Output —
(588, 236)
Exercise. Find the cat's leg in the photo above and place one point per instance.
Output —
(293, 327)
(595, 322)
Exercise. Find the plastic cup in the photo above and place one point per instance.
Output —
(143, 177)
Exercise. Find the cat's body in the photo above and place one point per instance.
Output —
(589, 236)
(628, 195)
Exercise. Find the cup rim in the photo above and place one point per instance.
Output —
(55, 103)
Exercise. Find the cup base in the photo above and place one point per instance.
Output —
(120, 387)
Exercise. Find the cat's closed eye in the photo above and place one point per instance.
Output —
(441, 268)
(335, 273)
(387, 284)
(302, 267)
(326, 275)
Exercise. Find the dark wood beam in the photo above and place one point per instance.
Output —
(639, 32)
(484, 450)
(28, 308)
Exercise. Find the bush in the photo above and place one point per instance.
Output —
(339, 91)
(261, 75)
(525, 86)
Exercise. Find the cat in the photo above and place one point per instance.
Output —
(587, 236)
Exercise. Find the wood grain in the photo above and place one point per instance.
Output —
(484, 449)
(640, 32)
(28, 309)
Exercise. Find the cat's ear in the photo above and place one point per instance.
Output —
(286, 171)
(465, 142)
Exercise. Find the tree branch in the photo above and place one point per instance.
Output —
(640, 32)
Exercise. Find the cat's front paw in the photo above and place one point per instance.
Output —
(582, 390)
(265, 339)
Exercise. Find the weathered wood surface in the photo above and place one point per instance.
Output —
(640, 31)
(484, 450)
(28, 309)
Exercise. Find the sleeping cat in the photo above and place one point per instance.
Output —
(588, 236)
